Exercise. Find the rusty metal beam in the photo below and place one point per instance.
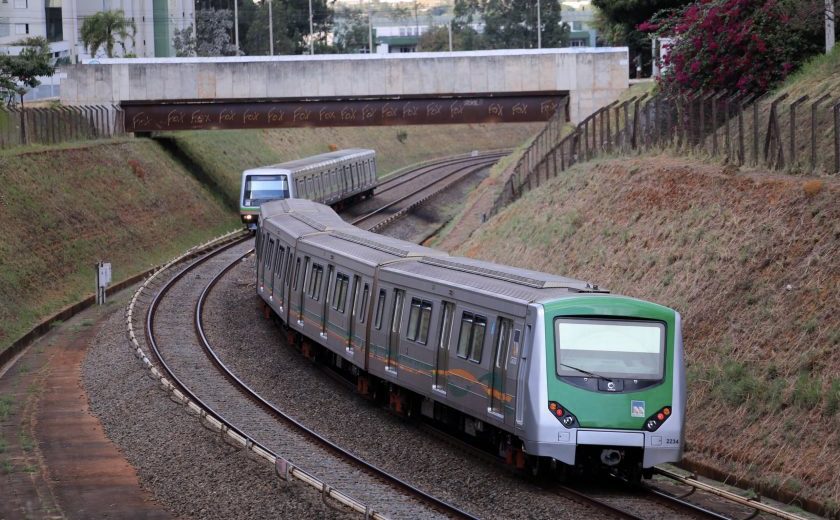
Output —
(154, 116)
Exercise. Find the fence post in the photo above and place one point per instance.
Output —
(793, 128)
(773, 141)
(742, 154)
(837, 138)
(814, 107)
(634, 142)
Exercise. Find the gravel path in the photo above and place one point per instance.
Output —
(188, 468)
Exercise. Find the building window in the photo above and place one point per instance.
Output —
(5, 27)
(21, 4)
(21, 28)
(577, 43)
(577, 26)
(402, 31)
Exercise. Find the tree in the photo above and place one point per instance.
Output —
(214, 27)
(748, 45)
(20, 73)
(290, 27)
(464, 38)
(107, 28)
(351, 31)
(512, 24)
(617, 22)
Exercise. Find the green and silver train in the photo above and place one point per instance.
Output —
(548, 371)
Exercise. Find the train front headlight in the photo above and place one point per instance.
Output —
(247, 218)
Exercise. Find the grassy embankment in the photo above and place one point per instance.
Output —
(752, 261)
(127, 201)
(224, 154)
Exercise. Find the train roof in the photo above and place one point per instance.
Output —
(315, 161)
(301, 217)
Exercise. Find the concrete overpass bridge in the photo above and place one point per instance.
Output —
(351, 90)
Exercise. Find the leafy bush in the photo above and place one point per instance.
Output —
(748, 45)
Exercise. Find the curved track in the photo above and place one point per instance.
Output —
(177, 338)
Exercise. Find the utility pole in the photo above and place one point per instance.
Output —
(270, 30)
(450, 34)
(194, 28)
(370, 31)
(539, 27)
(829, 25)
(311, 31)
(236, 24)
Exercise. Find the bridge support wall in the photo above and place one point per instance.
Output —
(593, 77)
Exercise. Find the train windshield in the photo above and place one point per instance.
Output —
(609, 348)
(262, 188)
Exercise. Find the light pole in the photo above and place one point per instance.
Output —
(311, 30)
(370, 31)
(235, 24)
(449, 27)
(270, 30)
(829, 25)
(539, 27)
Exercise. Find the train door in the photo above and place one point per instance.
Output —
(351, 321)
(275, 271)
(445, 339)
(394, 331)
(266, 260)
(501, 348)
(305, 275)
(326, 306)
(360, 313)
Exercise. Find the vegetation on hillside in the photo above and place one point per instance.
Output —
(750, 261)
(222, 155)
(63, 209)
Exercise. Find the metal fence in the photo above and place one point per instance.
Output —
(740, 129)
(50, 125)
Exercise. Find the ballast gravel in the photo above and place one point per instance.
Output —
(255, 349)
(186, 466)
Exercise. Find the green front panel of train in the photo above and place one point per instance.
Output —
(600, 409)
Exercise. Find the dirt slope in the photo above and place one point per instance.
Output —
(751, 260)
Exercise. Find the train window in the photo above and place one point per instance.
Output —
(363, 307)
(418, 321)
(471, 339)
(278, 264)
(340, 292)
(267, 254)
(380, 309)
(502, 342)
(315, 277)
(477, 343)
(297, 272)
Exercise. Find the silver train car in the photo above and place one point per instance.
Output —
(330, 178)
(549, 371)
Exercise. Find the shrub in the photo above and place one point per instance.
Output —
(748, 45)
(807, 392)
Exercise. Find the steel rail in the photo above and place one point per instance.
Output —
(391, 182)
(227, 425)
(252, 394)
(749, 502)
(684, 503)
(437, 186)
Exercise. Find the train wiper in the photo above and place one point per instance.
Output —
(587, 372)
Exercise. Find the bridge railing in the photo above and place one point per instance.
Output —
(740, 129)
(57, 124)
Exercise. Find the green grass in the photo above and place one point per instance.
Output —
(832, 401)
(5, 407)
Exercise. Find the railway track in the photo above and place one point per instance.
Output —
(402, 197)
(179, 346)
(192, 371)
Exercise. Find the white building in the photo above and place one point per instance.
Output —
(60, 21)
